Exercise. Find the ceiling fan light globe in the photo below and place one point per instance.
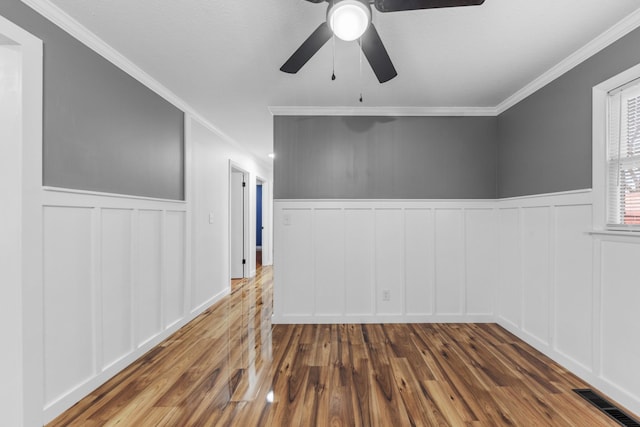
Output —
(349, 19)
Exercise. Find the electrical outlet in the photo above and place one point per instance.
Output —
(286, 219)
(386, 295)
(210, 217)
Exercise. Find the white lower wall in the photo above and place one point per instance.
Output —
(531, 264)
(115, 284)
(570, 293)
(336, 260)
(618, 327)
(545, 285)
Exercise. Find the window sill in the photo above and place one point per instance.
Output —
(615, 233)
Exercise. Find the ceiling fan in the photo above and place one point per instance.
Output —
(351, 20)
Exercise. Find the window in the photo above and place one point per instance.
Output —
(623, 157)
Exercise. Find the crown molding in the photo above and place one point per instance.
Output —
(613, 34)
(381, 111)
(77, 30)
(608, 37)
(60, 18)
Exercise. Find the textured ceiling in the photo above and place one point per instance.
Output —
(223, 57)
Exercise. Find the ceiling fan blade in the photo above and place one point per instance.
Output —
(400, 5)
(377, 55)
(311, 45)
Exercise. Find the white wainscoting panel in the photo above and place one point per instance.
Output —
(509, 295)
(419, 266)
(573, 304)
(449, 261)
(330, 250)
(296, 266)
(374, 261)
(69, 322)
(174, 267)
(389, 265)
(148, 275)
(481, 258)
(115, 286)
(536, 272)
(359, 261)
(620, 281)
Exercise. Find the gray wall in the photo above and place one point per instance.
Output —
(385, 157)
(544, 142)
(103, 130)
(540, 145)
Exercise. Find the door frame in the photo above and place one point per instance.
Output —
(22, 299)
(233, 166)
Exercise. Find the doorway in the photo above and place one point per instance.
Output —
(238, 223)
(259, 221)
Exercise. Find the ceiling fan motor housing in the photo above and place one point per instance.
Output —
(349, 19)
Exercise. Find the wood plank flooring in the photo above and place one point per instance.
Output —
(230, 367)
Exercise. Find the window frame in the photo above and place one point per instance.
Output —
(600, 111)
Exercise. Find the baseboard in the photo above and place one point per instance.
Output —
(368, 318)
(210, 302)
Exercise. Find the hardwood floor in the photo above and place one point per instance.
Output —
(230, 367)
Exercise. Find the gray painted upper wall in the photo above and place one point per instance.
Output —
(385, 157)
(541, 145)
(103, 130)
(544, 142)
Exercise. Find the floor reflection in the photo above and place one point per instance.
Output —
(248, 317)
(205, 374)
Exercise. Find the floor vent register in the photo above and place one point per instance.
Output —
(607, 407)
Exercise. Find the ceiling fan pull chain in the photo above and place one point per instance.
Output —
(333, 69)
(360, 43)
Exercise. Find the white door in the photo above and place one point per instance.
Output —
(236, 221)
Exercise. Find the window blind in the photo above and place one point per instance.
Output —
(623, 157)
